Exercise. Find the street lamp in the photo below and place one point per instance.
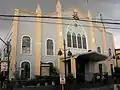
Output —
(69, 54)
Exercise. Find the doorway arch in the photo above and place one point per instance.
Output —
(25, 69)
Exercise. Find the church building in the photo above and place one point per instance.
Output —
(36, 42)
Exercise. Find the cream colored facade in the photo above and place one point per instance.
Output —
(92, 41)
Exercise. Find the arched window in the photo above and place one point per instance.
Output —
(84, 42)
(68, 39)
(99, 49)
(26, 45)
(74, 40)
(49, 47)
(25, 71)
(79, 41)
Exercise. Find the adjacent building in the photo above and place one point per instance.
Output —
(117, 53)
(38, 40)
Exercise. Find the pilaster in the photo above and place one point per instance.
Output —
(38, 41)
(91, 32)
(73, 66)
(60, 36)
(14, 43)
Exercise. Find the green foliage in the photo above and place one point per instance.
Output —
(17, 76)
(54, 71)
(70, 78)
(42, 80)
(54, 77)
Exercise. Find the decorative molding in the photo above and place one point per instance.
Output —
(51, 62)
(53, 47)
(69, 29)
(29, 63)
(26, 12)
(30, 45)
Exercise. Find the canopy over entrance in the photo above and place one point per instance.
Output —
(92, 56)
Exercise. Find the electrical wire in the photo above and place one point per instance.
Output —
(105, 19)
(58, 23)
(64, 18)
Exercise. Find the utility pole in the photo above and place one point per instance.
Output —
(102, 21)
(103, 35)
(65, 63)
(8, 55)
(64, 87)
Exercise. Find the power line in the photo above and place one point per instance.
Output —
(105, 19)
(65, 18)
(117, 29)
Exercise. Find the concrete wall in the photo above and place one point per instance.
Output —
(26, 29)
(109, 43)
(49, 31)
(98, 39)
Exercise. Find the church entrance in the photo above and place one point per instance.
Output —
(80, 70)
(25, 72)
(83, 70)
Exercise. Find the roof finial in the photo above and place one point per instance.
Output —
(89, 14)
(38, 9)
(58, 3)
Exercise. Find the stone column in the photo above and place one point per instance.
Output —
(14, 44)
(73, 66)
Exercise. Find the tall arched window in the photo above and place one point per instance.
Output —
(25, 72)
(84, 42)
(74, 40)
(26, 45)
(79, 41)
(99, 49)
(68, 39)
(49, 47)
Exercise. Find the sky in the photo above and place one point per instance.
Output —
(108, 8)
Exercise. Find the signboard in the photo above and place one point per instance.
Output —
(62, 78)
(3, 66)
(45, 69)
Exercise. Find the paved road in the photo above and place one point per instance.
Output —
(57, 88)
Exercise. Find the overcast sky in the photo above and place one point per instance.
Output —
(109, 9)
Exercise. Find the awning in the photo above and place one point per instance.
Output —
(92, 56)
